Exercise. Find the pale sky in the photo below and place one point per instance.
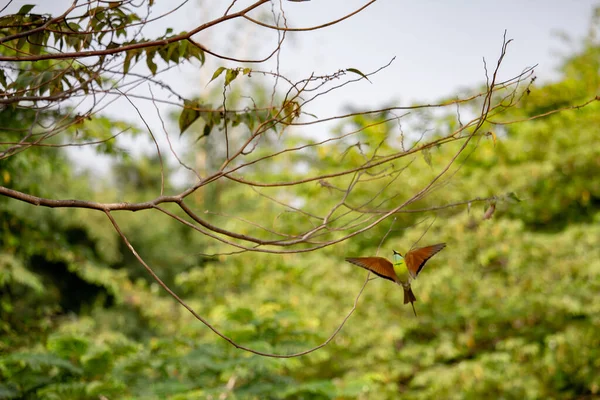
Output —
(438, 45)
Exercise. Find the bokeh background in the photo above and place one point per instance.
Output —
(509, 309)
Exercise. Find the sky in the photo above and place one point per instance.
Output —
(438, 45)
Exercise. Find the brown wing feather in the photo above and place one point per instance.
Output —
(416, 259)
(377, 265)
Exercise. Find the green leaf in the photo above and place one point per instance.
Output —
(218, 72)
(74, 27)
(246, 71)
(231, 75)
(3, 78)
(127, 62)
(206, 131)
(312, 389)
(69, 346)
(8, 391)
(427, 156)
(242, 314)
(150, 60)
(25, 9)
(46, 79)
(355, 71)
(196, 52)
(513, 197)
(128, 57)
(35, 43)
(36, 361)
(493, 135)
(21, 42)
(176, 50)
(15, 271)
(189, 115)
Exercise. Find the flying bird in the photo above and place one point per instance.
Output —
(395, 271)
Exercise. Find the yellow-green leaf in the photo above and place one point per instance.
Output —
(230, 75)
(218, 72)
(25, 9)
(427, 156)
(355, 71)
(189, 115)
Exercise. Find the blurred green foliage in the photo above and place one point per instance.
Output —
(509, 309)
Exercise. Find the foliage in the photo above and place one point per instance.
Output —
(510, 308)
(96, 27)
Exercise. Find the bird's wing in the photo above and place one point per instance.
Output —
(377, 265)
(416, 259)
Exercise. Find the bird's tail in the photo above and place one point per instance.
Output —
(409, 297)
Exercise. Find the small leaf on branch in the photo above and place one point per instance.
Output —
(230, 75)
(3, 79)
(206, 131)
(189, 115)
(25, 9)
(21, 42)
(218, 72)
(150, 60)
(355, 71)
(129, 55)
(427, 156)
(512, 196)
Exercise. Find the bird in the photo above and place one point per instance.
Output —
(414, 260)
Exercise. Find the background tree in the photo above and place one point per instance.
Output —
(97, 326)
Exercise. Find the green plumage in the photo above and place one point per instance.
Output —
(400, 269)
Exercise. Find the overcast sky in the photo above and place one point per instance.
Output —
(438, 44)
